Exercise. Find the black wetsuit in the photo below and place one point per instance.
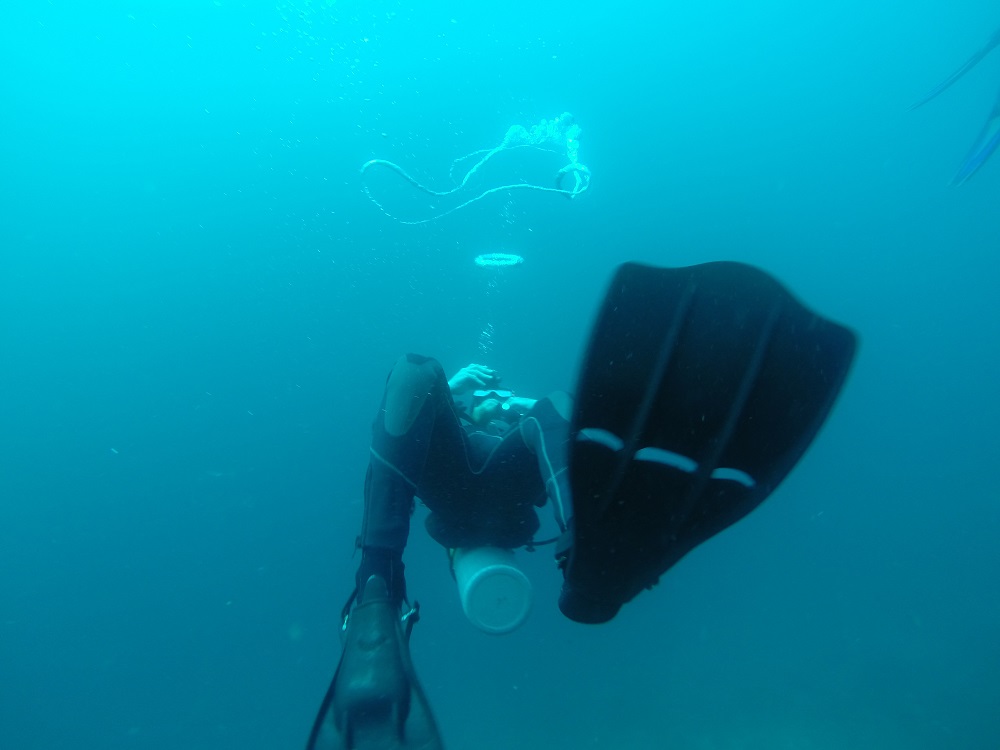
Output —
(482, 485)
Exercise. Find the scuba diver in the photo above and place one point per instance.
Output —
(700, 389)
(989, 137)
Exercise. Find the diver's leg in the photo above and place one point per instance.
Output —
(416, 404)
(545, 430)
(375, 700)
(485, 495)
(486, 492)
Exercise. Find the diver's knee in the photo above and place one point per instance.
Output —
(410, 383)
(562, 402)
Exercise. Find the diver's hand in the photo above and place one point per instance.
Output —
(471, 377)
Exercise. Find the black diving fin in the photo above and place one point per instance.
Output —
(375, 701)
(700, 390)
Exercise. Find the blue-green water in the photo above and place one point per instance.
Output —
(199, 305)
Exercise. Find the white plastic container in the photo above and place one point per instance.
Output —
(495, 593)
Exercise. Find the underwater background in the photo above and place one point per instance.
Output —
(199, 306)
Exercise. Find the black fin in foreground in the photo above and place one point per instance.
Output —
(374, 701)
(700, 390)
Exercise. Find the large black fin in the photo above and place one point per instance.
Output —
(700, 390)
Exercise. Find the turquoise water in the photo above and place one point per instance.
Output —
(199, 305)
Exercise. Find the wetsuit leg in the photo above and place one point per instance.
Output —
(375, 700)
(416, 412)
(487, 494)
(545, 430)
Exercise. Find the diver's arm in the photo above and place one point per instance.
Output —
(471, 377)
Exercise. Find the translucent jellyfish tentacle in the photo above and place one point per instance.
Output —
(556, 135)
(517, 186)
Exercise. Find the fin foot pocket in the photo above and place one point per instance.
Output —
(375, 701)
